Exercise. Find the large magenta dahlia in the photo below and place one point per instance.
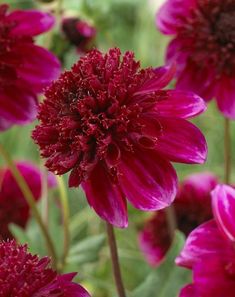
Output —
(13, 206)
(112, 126)
(25, 68)
(203, 47)
(25, 275)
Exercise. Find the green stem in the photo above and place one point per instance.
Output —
(44, 196)
(171, 220)
(227, 152)
(115, 261)
(31, 202)
(65, 214)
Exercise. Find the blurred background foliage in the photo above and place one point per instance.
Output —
(129, 25)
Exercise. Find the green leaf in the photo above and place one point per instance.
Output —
(87, 250)
(167, 279)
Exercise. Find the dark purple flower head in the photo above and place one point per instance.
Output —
(25, 68)
(192, 207)
(79, 33)
(209, 250)
(25, 275)
(13, 206)
(203, 47)
(110, 124)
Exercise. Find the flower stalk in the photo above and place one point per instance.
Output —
(31, 201)
(65, 213)
(171, 220)
(115, 261)
(227, 151)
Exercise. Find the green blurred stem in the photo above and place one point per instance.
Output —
(31, 201)
(59, 8)
(227, 151)
(171, 220)
(65, 214)
(115, 261)
(44, 196)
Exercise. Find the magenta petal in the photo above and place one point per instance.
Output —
(18, 106)
(32, 176)
(30, 22)
(181, 141)
(154, 239)
(168, 17)
(198, 80)
(188, 291)
(205, 240)
(40, 67)
(212, 277)
(223, 202)
(62, 286)
(179, 104)
(148, 180)
(106, 198)
(198, 186)
(162, 77)
(226, 97)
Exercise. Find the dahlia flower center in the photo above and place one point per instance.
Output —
(100, 128)
(225, 28)
(210, 31)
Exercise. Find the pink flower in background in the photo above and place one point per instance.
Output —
(79, 33)
(113, 127)
(209, 250)
(192, 207)
(24, 274)
(203, 47)
(25, 68)
(13, 206)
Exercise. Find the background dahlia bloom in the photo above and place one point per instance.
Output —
(79, 33)
(192, 207)
(13, 206)
(25, 68)
(209, 250)
(24, 274)
(203, 47)
(113, 127)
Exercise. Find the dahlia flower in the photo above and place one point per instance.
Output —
(209, 250)
(25, 275)
(113, 127)
(192, 207)
(25, 68)
(203, 46)
(13, 206)
(79, 33)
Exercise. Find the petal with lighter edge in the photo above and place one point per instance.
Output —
(30, 22)
(181, 141)
(168, 17)
(40, 67)
(162, 77)
(148, 180)
(21, 110)
(203, 241)
(106, 198)
(223, 202)
(179, 104)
